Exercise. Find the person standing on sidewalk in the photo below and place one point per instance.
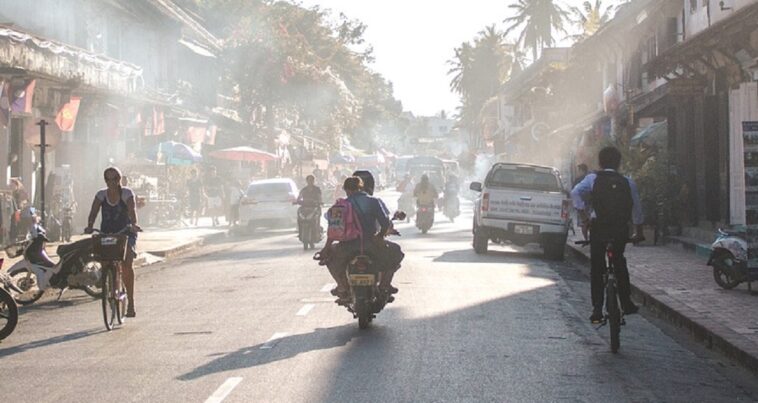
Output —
(118, 207)
(195, 197)
(214, 189)
(615, 202)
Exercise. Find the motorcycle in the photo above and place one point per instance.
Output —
(405, 203)
(309, 227)
(425, 217)
(729, 259)
(366, 298)
(451, 206)
(35, 273)
(8, 307)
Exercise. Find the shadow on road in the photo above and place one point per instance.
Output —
(500, 257)
(49, 342)
(319, 339)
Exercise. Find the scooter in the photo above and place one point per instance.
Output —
(729, 259)
(451, 206)
(8, 307)
(309, 228)
(425, 217)
(35, 273)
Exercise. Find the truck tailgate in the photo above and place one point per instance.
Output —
(524, 205)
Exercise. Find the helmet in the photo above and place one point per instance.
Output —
(29, 212)
(368, 180)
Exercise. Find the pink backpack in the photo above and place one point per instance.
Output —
(344, 224)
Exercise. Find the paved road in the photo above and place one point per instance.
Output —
(250, 320)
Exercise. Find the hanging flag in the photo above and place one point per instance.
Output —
(22, 97)
(5, 103)
(195, 134)
(159, 123)
(66, 117)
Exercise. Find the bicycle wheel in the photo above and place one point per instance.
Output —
(8, 314)
(120, 295)
(614, 315)
(109, 300)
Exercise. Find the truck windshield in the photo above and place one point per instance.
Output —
(524, 178)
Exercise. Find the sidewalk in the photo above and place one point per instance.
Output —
(678, 286)
(154, 244)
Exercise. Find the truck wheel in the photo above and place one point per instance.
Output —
(555, 251)
(480, 241)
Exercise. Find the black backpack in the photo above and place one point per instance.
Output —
(612, 199)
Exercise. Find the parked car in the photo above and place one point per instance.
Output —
(268, 203)
(521, 204)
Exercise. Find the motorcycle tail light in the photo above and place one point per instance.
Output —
(485, 202)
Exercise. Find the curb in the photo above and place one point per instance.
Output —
(180, 249)
(704, 330)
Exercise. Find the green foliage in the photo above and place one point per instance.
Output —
(537, 20)
(479, 69)
(299, 68)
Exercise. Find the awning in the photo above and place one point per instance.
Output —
(197, 48)
(653, 135)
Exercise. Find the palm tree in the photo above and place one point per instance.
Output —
(479, 69)
(590, 17)
(538, 19)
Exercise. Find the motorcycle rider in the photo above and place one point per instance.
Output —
(118, 207)
(370, 213)
(392, 250)
(615, 201)
(425, 192)
(450, 192)
(309, 197)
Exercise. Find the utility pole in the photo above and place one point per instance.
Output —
(43, 143)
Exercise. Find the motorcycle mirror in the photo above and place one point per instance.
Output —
(399, 215)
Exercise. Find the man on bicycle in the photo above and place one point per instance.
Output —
(614, 202)
(118, 212)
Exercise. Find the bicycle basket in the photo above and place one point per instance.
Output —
(15, 249)
(109, 247)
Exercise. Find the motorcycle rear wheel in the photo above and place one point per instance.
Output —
(28, 283)
(8, 314)
(94, 291)
(720, 272)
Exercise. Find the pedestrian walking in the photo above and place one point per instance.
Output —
(195, 196)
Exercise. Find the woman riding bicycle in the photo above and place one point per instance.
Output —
(118, 208)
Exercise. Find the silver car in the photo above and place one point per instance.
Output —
(269, 203)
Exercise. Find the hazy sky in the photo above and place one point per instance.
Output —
(413, 40)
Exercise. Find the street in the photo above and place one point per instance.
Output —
(250, 318)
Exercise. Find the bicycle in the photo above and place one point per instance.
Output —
(613, 315)
(110, 250)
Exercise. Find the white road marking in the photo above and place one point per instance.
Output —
(305, 309)
(328, 287)
(270, 343)
(220, 394)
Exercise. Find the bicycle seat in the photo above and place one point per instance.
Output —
(63, 250)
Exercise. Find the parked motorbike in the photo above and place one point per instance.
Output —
(8, 307)
(425, 217)
(309, 226)
(35, 273)
(452, 207)
(729, 259)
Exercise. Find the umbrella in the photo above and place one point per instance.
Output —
(243, 153)
(175, 153)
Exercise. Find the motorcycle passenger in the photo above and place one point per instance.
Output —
(309, 197)
(118, 207)
(425, 192)
(615, 201)
(370, 212)
(450, 193)
(393, 252)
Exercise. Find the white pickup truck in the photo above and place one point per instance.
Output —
(521, 204)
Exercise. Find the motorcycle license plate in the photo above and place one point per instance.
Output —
(362, 280)
(107, 241)
(523, 229)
